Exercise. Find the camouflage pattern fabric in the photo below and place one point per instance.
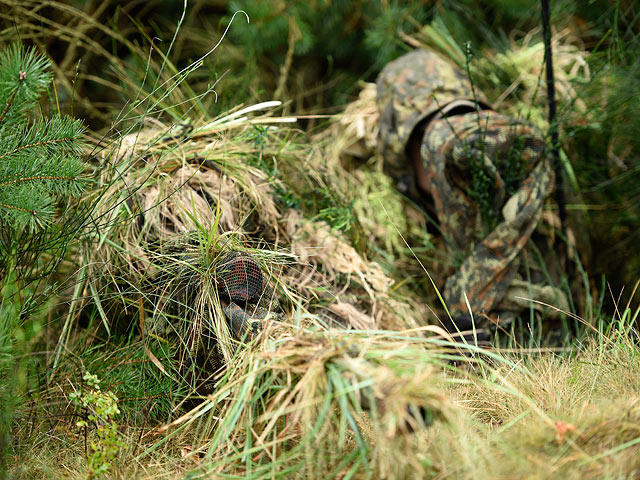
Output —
(468, 159)
(411, 90)
(488, 175)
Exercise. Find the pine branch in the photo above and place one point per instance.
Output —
(33, 179)
(39, 161)
(54, 134)
(13, 207)
(23, 78)
(44, 143)
(25, 207)
(8, 104)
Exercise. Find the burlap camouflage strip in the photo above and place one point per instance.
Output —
(457, 151)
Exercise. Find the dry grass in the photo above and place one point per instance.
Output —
(292, 408)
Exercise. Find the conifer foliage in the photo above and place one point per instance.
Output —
(39, 157)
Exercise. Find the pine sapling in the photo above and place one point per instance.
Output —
(40, 165)
(39, 157)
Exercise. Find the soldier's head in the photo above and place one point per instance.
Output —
(412, 90)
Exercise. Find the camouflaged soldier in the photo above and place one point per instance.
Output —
(488, 176)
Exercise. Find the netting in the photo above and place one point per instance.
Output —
(240, 277)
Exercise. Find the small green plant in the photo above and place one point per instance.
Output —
(483, 189)
(98, 410)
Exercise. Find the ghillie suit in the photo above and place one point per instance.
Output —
(180, 248)
(205, 304)
(236, 282)
(488, 176)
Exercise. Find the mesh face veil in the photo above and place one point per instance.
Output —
(247, 299)
(240, 277)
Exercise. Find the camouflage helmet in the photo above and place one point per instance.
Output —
(411, 89)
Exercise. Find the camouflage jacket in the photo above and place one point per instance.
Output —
(488, 175)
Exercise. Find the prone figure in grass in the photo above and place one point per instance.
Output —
(488, 177)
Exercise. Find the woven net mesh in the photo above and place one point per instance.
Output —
(240, 277)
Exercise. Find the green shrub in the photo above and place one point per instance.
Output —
(98, 410)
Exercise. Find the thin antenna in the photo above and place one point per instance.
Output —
(553, 124)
